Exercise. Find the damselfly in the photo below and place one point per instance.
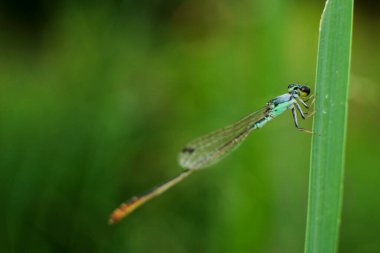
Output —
(211, 148)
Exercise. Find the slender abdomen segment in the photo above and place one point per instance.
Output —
(261, 123)
(127, 207)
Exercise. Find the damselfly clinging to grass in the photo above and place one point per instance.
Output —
(211, 148)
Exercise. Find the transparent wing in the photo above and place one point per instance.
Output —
(211, 148)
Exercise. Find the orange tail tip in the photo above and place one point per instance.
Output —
(123, 210)
(127, 207)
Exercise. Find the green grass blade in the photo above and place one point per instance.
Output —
(328, 145)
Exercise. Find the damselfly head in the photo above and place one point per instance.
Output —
(301, 90)
(292, 86)
(304, 91)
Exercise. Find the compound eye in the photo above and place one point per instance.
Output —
(305, 90)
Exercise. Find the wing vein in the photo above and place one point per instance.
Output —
(211, 148)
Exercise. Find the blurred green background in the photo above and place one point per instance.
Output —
(98, 97)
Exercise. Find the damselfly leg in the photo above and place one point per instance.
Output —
(304, 115)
